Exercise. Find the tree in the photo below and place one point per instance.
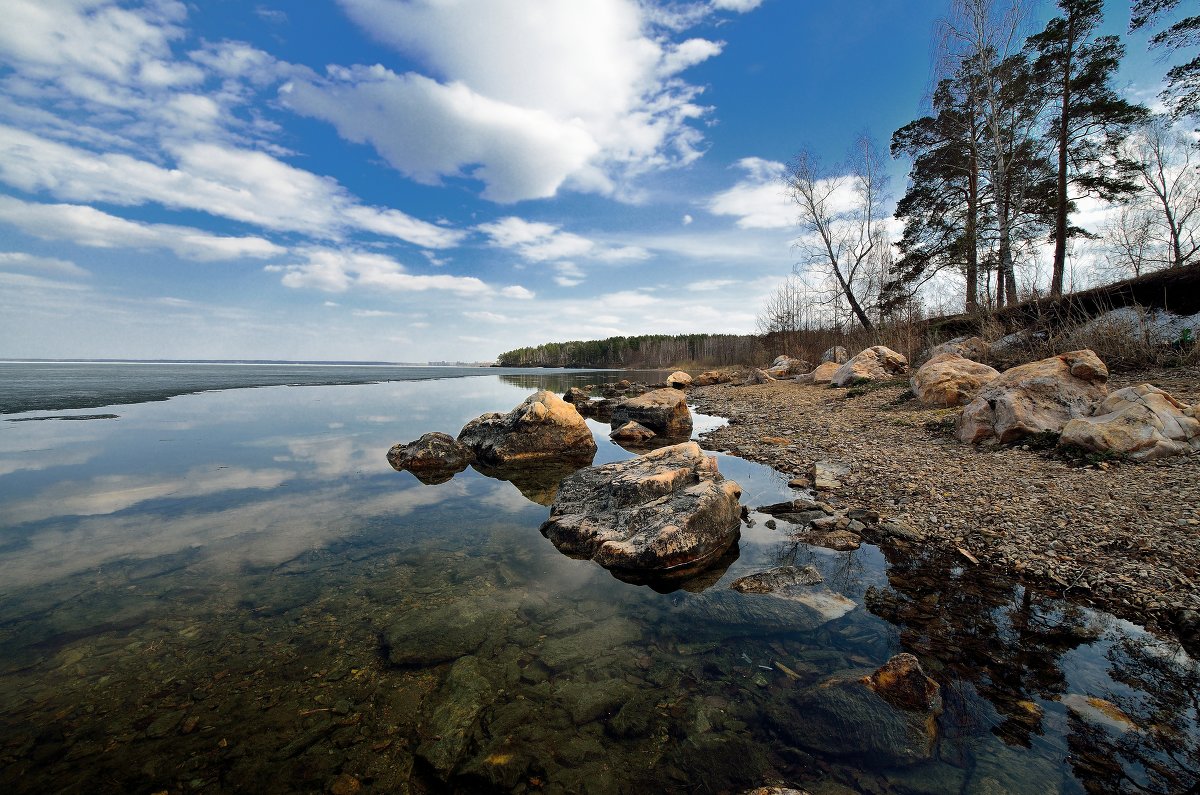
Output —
(987, 33)
(1160, 228)
(1182, 93)
(941, 208)
(787, 313)
(1075, 67)
(841, 217)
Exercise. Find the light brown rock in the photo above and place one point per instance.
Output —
(974, 348)
(949, 379)
(824, 372)
(787, 367)
(663, 411)
(679, 380)
(901, 682)
(1035, 397)
(632, 433)
(667, 512)
(544, 427)
(837, 355)
(877, 363)
(759, 376)
(1142, 422)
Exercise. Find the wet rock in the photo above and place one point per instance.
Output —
(669, 511)
(576, 395)
(679, 380)
(974, 348)
(902, 683)
(632, 433)
(593, 642)
(1099, 711)
(1141, 422)
(434, 457)
(950, 380)
(758, 376)
(543, 427)
(722, 761)
(599, 410)
(589, 701)
(781, 579)
(430, 635)
(899, 529)
(1035, 397)
(842, 717)
(663, 411)
(837, 540)
(877, 363)
(345, 784)
(791, 609)
(451, 723)
(835, 355)
(637, 717)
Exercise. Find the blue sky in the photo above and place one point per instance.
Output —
(408, 180)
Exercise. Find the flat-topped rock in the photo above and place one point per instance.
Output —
(679, 380)
(663, 411)
(544, 427)
(668, 512)
(1141, 422)
(1031, 398)
(877, 363)
(434, 457)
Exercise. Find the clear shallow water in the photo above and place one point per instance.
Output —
(207, 594)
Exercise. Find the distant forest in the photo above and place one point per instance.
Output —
(650, 351)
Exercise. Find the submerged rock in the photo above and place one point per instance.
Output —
(778, 580)
(665, 512)
(543, 427)
(949, 379)
(434, 458)
(877, 363)
(450, 726)
(1035, 397)
(1141, 422)
(427, 636)
(902, 682)
(663, 411)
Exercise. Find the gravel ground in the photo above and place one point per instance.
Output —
(1124, 537)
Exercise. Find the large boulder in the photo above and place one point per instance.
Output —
(787, 367)
(824, 373)
(949, 379)
(433, 458)
(1141, 422)
(663, 411)
(1033, 398)
(577, 395)
(669, 512)
(710, 377)
(877, 363)
(837, 355)
(544, 427)
(679, 380)
(758, 376)
(974, 348)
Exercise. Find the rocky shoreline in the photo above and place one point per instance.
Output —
(1118, 535)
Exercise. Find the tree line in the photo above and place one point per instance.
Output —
(649, 351)
(1023, 127)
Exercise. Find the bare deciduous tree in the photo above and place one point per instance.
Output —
(842, 220)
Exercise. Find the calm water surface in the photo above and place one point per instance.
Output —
(233, 591)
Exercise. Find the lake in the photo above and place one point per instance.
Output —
(232, 590)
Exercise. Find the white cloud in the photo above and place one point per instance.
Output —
(88, 226)
(758, 200)
(541, 242)
(525, 96)
(518, 292)
(568, 274)
(709, 285)
(740, 6)
(17, 260)
(687, 219)
(239, 184)
(337, 270)
(372, 313)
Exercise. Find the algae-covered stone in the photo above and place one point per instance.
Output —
(453, 718)
(595, 641)
(589, 701)
(428, 636)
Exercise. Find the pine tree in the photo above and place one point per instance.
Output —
(1182, 93)
(1075, 67)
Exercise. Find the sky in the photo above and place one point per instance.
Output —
(414, 180)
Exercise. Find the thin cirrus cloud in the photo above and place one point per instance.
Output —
(237, 184)
(21, 261)
(87, 226)
(525, 96)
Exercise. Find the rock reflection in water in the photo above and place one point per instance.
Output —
(537, 481)
(1023, 651)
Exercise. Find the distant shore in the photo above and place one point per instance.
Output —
(1124, 537)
